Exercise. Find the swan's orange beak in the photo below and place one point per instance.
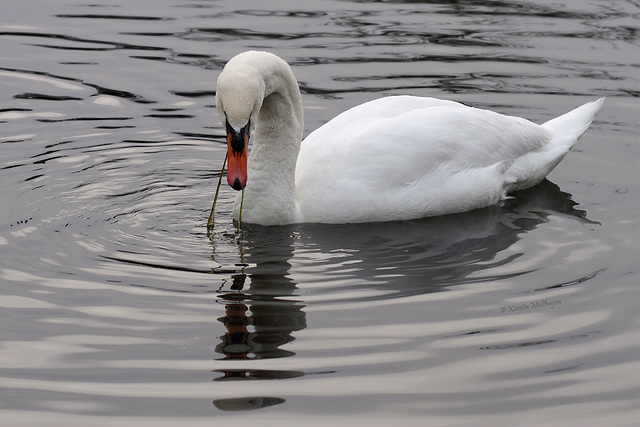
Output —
(237, 144)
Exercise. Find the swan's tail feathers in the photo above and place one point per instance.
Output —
(568, 128)
(533, 167)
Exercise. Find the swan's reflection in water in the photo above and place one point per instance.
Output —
(262, 310)
(261, 314)
(269, 326)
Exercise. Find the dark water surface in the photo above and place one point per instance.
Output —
(118, 309)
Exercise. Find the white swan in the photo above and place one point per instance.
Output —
(394, 158)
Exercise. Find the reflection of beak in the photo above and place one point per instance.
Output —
(237, 143)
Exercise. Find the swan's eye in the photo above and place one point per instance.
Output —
(230, 130)
(247, 129)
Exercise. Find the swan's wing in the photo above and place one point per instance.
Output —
(371, 163)
(351, 122)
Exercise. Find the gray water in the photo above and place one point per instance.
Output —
(118, 309)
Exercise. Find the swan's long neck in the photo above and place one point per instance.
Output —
(270, 192)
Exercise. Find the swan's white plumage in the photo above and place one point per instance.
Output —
(394, 158)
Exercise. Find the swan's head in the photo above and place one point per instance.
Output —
(239, 98)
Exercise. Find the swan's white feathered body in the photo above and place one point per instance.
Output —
(394, 158)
